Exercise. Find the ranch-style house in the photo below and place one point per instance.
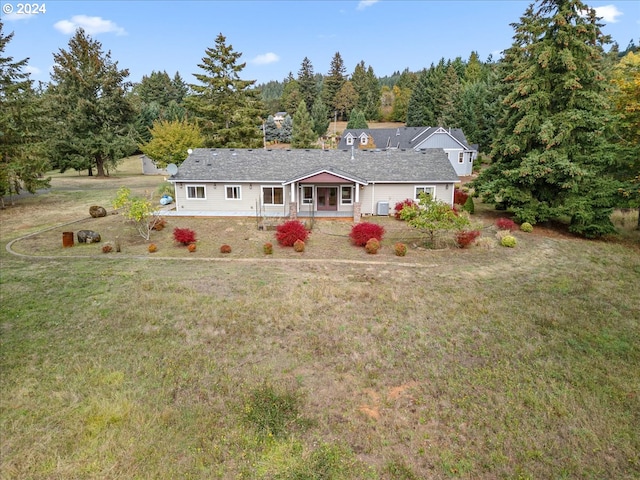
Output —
(296, 183)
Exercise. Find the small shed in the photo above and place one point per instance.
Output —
(149, 167)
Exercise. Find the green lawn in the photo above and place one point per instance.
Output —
(475, 363)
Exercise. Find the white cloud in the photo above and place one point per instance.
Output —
(32, 70)
(91, 25)
(266, 59)
(362, 4)
(609, 13)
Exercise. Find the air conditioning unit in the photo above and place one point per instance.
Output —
(383, 208)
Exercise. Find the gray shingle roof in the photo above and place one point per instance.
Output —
(401, 137)
(245, 165)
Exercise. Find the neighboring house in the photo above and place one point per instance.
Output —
(451, 140)
(279, 117)
(149, 167)
(308, 183)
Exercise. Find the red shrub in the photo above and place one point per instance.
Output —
(459, 197)
(506, 224)
(464, 238)
(405, 203)
(184, 236)
(362, 232)
(288, 232)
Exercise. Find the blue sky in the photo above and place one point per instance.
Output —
(275, 36)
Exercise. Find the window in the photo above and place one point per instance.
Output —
(461, 157)
(349, 140)
(307, 195)
(232, 192)
(364, 139)
(346, 195)
(196, 191)
(429, 190)
(272, 196)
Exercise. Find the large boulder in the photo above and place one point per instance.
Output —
(96, 211)
(88, 236)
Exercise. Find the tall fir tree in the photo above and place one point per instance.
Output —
(550, 155)
(302, 135)
(89, 94)
(307, 83)
(368, 88)
(22, 158)
(228, 110)
(291, 94)
(346, 99)
(320, 117)
(333, 82)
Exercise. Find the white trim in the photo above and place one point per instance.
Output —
(350, 187)
(424, 187)
(227, 197)
(303, 198)
(196, 186)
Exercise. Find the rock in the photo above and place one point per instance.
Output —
(96, 211)
(88, 236)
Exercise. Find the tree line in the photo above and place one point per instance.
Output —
(557, 115)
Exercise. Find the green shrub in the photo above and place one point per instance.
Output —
(508, 241)
(526, 227)
(267, 248)
(400, 249)
(468, 205)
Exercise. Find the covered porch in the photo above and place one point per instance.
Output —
(325, 194)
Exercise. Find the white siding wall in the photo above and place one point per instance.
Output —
(217, 203)
(393, 193)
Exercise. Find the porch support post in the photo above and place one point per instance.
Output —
(357, 199)
(293, 210)
(357, 211)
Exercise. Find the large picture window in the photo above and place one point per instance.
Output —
(232, 192)
(272, 195)
(428, 189)
(196, 192)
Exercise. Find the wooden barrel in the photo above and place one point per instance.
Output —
(67, 239)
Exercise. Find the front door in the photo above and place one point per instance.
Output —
(327, 198)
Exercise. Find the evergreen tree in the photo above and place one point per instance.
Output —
(346, 100)
(291, 94)
(473, 72)
(550, 157)
(89, 95)
(227, 108)
(428, 97)
(369, 91)
(307, 84)
(450, 112)
(357, 120)
(22, 160)
(320, 118)
(302, 135)
(158, 87)
(271, 129)
(286, 130)
(333, 82)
